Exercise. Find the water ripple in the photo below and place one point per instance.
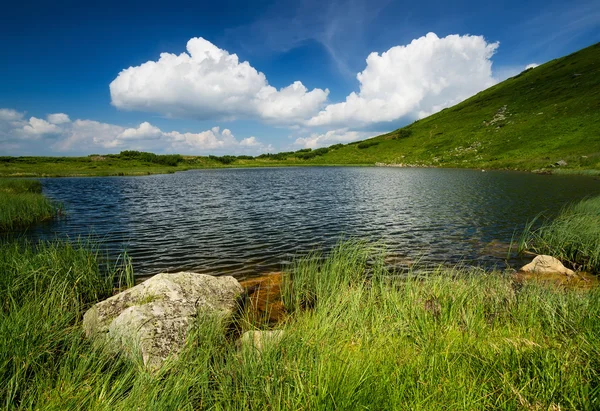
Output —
(248, 221)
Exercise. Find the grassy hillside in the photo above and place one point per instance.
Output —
(528, 122)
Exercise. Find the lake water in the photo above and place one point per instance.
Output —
(249, 221)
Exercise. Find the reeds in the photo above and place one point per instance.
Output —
(22, 204)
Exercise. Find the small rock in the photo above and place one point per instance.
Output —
(259, 339)
(545, 264)
(560, 163)
(153, 318)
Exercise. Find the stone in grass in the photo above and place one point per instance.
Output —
(545, 264)
(153, 318)
(258, 340)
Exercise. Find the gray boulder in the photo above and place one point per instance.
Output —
(154, 317)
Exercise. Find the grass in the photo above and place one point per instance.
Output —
(44, 290)
(22, 204)
(356, 338)
(573, 237)
(527, 122)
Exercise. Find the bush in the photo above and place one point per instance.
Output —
(306, 155)
(403, 133)
(223, 159)
(166, 159)
(367, 144)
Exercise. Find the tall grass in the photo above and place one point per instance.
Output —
(22, 204)
(573, 237)
(44, 289)
(355, 339)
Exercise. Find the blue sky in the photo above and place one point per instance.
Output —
(89, 78)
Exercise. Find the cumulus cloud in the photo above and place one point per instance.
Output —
(38, 127)
(249, 142)
(58, 118)
(415, 80)
(210, 83)
(343, 135)
(87, 136)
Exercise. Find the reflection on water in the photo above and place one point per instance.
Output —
(247, 221)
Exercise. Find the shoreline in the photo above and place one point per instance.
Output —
(594, 173)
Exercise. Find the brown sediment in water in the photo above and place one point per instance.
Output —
(581, 280)
(264, 295)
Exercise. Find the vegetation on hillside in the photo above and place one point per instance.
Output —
(356, 338)
(22, 204)
(573, 237)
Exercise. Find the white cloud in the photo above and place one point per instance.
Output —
(213, 139)
(144, 131)
(343, 135)
(89, 136)
(38, 127)
(249, 142)
(208, 82)
(9, 121)
(9, 115)
(415, 80)
(58, 118)
(530, 66)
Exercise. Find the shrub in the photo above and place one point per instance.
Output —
(367, 144)
(223, 159)
(403, 133)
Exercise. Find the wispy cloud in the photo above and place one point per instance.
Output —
(339, 26)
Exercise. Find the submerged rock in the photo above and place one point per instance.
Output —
(264, 298)
(153, 318)
(545, 264)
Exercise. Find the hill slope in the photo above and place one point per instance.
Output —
(532, 120)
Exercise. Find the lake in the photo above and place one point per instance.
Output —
(250, 221)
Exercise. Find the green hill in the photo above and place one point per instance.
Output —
(530, 121)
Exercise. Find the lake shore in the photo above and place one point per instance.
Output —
(90, 166)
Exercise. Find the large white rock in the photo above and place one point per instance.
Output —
(153, 318)
(545, 264)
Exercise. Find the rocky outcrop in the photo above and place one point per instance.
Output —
(154, 317)
(545, 264)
